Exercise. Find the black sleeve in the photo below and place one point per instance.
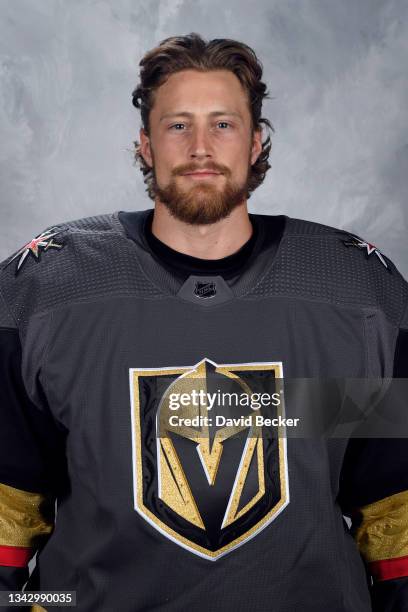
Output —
(32, 465)
(374, 494)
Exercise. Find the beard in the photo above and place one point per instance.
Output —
(202, 203)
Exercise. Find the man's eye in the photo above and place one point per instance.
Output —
(176, 125)
(223, 123)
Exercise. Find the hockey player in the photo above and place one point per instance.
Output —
(103, 318)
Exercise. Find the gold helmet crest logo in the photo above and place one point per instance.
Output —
(203, 484)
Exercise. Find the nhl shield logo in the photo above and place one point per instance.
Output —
(205, 289)
(206, 474)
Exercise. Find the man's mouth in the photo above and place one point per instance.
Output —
(202, 173)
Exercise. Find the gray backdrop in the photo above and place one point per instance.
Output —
(337, 73)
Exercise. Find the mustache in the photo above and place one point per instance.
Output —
(182, 169)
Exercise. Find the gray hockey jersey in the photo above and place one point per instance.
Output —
(129, 496)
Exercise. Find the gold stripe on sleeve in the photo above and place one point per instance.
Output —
(24, 517)
(383, 532)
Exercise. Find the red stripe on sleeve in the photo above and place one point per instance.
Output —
(15, 556)
(387, 569)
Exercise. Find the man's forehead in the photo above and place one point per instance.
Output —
(191, 92)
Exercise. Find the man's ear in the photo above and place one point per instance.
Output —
(145, 150)
(256, 148)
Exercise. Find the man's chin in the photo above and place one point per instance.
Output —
(199, 211)
(198, 214)
(200, 204)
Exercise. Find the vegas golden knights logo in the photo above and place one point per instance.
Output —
(207, 474)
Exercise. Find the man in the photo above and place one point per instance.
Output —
(121, 332)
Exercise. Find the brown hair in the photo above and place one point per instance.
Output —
(193, 52)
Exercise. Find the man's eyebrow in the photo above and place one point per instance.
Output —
(216, 113)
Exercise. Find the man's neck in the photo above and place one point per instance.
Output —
(213, 241)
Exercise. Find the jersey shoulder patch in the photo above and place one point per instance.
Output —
(367, 247)
(35, 247)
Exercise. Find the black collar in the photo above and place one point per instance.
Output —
(183, 265)
(257, 255)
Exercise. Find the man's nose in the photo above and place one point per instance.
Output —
(200, 145)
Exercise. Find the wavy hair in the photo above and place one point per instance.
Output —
(193, 52)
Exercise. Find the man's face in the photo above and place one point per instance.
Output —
(201, 121)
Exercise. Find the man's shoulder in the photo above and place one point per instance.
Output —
(58, 248)
(49, 237)
(314, 239)
(323, 262)
(67, 261)
(341, 245)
